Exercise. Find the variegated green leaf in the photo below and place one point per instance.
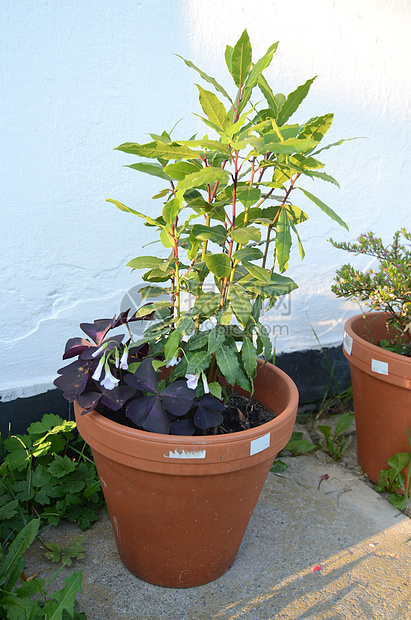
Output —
(255, 72)
(151, 307)
(300, 245)
(123, 207)
(228, 360)
(216, 234)
(293, 101)
(211, 145)
(227, 55)
(180, 169)
(240, 303)
(206, 304)
(317, 127)
(216, 339)
(249, 358)
(172, 344)
(268, 94)
(155, 170)
(166, 238)
(158, 150)
(205, 176)
(297, 216)
(198, 362)
(241, 59)
(248, 196)
(327, 210)
(244, 235)
(329, 146)
(213, 109)
(287, 147)
(145, 262)
(206, 77)
(257, 272)
(225, 315)
(171, 209)
(218, 264)
(283, 240)
(248, 254)
(314, 174)
(265, 338)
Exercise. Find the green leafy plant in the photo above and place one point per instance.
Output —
(29, 599)
(66, 555)
(386, 288)
(226, 226)
(298, 445)
(336, 441)
(46, 473)
(397, 480)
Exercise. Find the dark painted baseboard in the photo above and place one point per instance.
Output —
(314, 372)
(21, 412)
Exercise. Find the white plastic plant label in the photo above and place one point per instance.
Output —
(380, 367)
(347, 343)
(186, 454)
(260, 444)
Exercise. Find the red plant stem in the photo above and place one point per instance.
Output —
(270, 227)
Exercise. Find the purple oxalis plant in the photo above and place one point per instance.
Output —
(116, 375)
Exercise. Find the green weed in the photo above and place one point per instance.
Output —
(394, 479)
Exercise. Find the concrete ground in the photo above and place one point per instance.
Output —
(330, 551)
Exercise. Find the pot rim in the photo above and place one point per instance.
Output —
(175, 454)
(374, 360)
(194, 440)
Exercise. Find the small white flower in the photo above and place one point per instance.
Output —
(99, 350)
(205, 384)
(123, 361)
(97, 373)
(117, 358)
(173, 362)
(192, 381)
(109, 382)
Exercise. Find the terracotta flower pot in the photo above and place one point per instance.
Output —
(381, 383)
(179, 506)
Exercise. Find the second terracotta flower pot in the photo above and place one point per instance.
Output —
(179, 506)
(381, 383)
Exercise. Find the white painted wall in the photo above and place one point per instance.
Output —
(79, 78)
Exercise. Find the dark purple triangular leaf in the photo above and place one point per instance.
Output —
(131, 381)
(139, 408)
(177, 398)
(211, 402)
(70, 397)
(97, 330)
(121, 319)
(89, 400)
(75, 346)
(115, 398)
(207, 418)
(182, 427)
(145, 377)
(74, 381)
(157, 420)
(73, 366)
